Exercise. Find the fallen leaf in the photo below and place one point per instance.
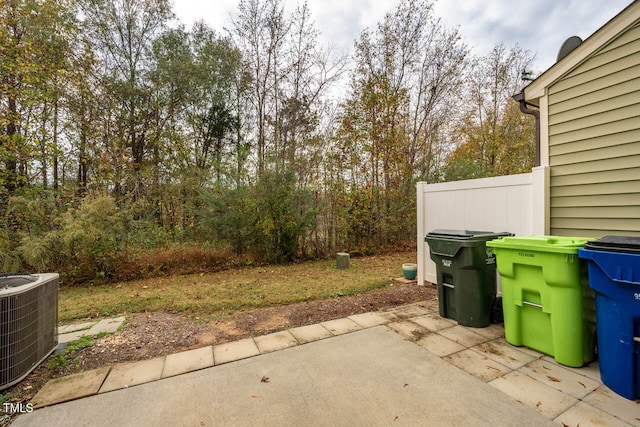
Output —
(582, 384)
(548, 369)
(202, 423)
(554, 379)
(395, 418)
(538, 404)
(264, 379)
(255, 396)
(405, 385)
(564, 425)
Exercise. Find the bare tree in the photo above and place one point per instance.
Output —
(408, 74)
(291, 73)
(312, 69)
(124, 31)
(260, 30)
(493, 135)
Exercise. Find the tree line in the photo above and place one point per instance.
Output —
(122, 131)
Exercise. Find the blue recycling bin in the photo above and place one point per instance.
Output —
(614, 275)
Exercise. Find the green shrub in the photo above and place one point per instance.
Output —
(287, 214)
(24, 240)
(270, 218)
(10, 261)
(41, 252)
(91, 236)
(227, 217)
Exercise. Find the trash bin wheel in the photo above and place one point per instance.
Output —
(496, 310)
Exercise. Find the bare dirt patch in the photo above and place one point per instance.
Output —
(148, 335)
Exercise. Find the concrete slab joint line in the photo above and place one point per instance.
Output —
(394, 380)
(188, 361)
(341, 326)
(133, 373)
(310, 333)
(471, 365)
(368, 320)
(71, 387)
(275, 341)
(236, 350)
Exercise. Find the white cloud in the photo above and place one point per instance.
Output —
(539, 26)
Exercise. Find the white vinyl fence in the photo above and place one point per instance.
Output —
(516, 203)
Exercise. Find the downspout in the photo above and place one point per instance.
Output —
(519, 97)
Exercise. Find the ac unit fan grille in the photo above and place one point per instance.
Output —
(28, 322)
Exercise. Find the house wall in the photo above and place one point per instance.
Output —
(594, 143)
(515, 203)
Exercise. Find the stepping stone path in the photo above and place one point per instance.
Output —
(72, 332)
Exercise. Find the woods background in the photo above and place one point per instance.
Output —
(131, 145)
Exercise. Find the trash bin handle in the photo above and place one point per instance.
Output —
(532, 304)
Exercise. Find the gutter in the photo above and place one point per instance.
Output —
(519, 98)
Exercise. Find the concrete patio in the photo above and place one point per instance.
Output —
(406, 366)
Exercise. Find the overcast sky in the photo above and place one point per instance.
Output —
(540, 26)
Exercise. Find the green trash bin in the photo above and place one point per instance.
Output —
(466, 275)
(546, 300)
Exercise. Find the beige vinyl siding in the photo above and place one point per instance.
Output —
(594, 143)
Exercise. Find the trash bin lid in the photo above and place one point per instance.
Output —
(624, 244)
(556, 244)
(463, 234)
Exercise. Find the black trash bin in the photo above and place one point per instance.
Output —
(466, 272)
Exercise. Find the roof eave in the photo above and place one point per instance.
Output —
(619, 23)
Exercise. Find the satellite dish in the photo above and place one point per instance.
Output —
(568, 45)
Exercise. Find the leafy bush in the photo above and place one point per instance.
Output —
(147, 234)
(10, 260)
(270, 219)
(39, 236)
(286, 215)
(92, 235)
(227, 217)
(27, 219)
(41, 252)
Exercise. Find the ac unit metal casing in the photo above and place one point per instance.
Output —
(28, 323)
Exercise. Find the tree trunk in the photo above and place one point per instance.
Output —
(11, 158)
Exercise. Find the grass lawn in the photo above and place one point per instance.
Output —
(217, 294)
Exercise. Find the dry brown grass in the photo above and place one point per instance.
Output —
(175, 260)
